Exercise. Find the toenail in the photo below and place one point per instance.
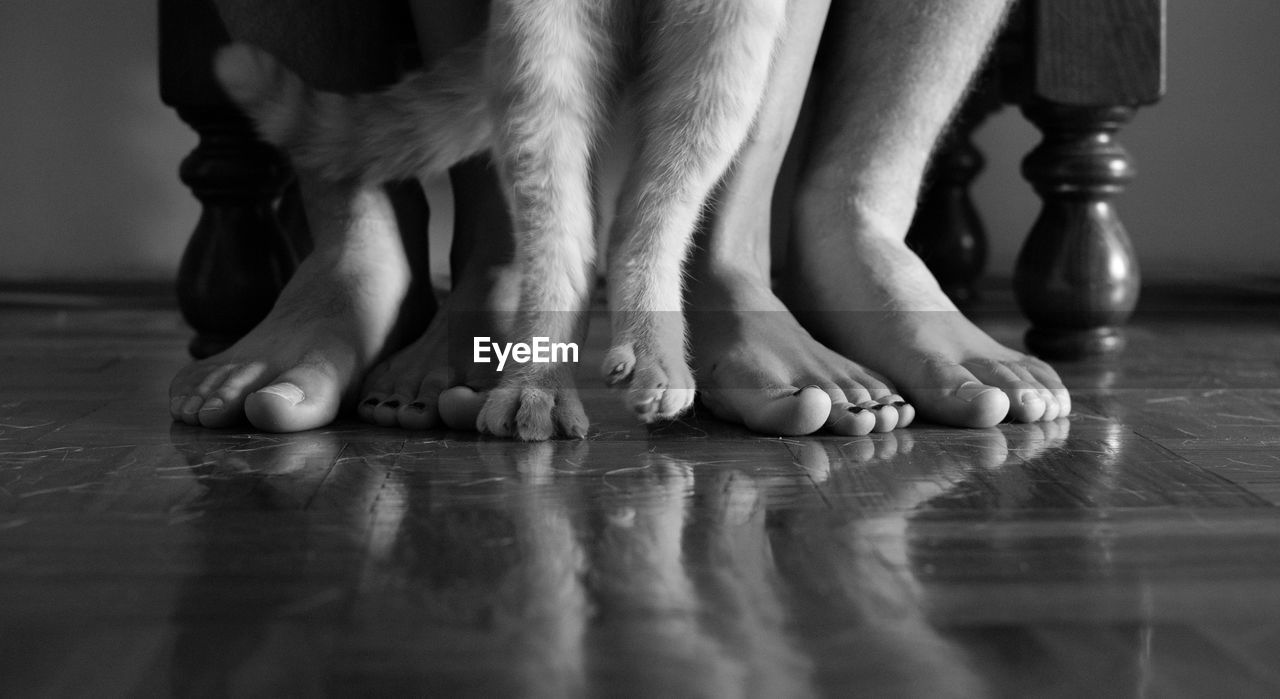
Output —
(812, 385)
(393, 404)
(370, 401)
(898, 403)
(418, 406)
(970, 391)
(212, 404)
(287, 391)
(855, 409)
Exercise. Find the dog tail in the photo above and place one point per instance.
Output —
(421, 125)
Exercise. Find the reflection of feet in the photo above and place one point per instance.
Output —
(758, 367)
(273, 645)
(1031, 442)
(650, 610)
(641, 547)
(977, 470)
(863, 292)
(746, 608)
(1016, 482)
(821, 458)
(534, 464)
(540, 603)
(273, 471)
(655, 498)
(293, 370)
(435, 381)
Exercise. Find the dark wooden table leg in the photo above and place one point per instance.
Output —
(1088, 65)
(237, 259)
(947, 231)
(1077, 278)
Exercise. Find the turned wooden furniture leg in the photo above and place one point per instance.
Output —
(1077, 278)
(1091, 63)
(237, 259)
(947, 231)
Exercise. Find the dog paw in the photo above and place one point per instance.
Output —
(659, 385)
(533, 408)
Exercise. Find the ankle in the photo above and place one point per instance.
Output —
(860, 209)
(722, 278)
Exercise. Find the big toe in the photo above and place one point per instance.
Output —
(301, 399)
(460, 407)
(956, 397)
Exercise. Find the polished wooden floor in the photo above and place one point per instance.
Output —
(1131, 551)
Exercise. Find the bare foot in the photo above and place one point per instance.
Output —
(656, 639)
(434, 382)
(293, 371)
(757, 366)
(858, 288)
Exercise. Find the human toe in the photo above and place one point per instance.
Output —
(459, 407)
(224, 404)
(906, 411)
(1051, 405)
(773, 408)
(1026, 401)
(407, 401)
(214, 396)
(189, 409)
(368, 407)
(1026, 404)
(175, 406)
(1047, 377)
(886, 416)
(386, 413)
(378, 387)
(303, 398)
(954, 396)
(850, 420)
(783, 410)
(188, 389)
(214, 412)
(417, 415)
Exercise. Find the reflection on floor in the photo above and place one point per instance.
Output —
(1133, 550)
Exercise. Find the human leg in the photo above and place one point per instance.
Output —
(754, 363)
(686, 146)
(433, 382)
(891, 83)
(340, 310)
